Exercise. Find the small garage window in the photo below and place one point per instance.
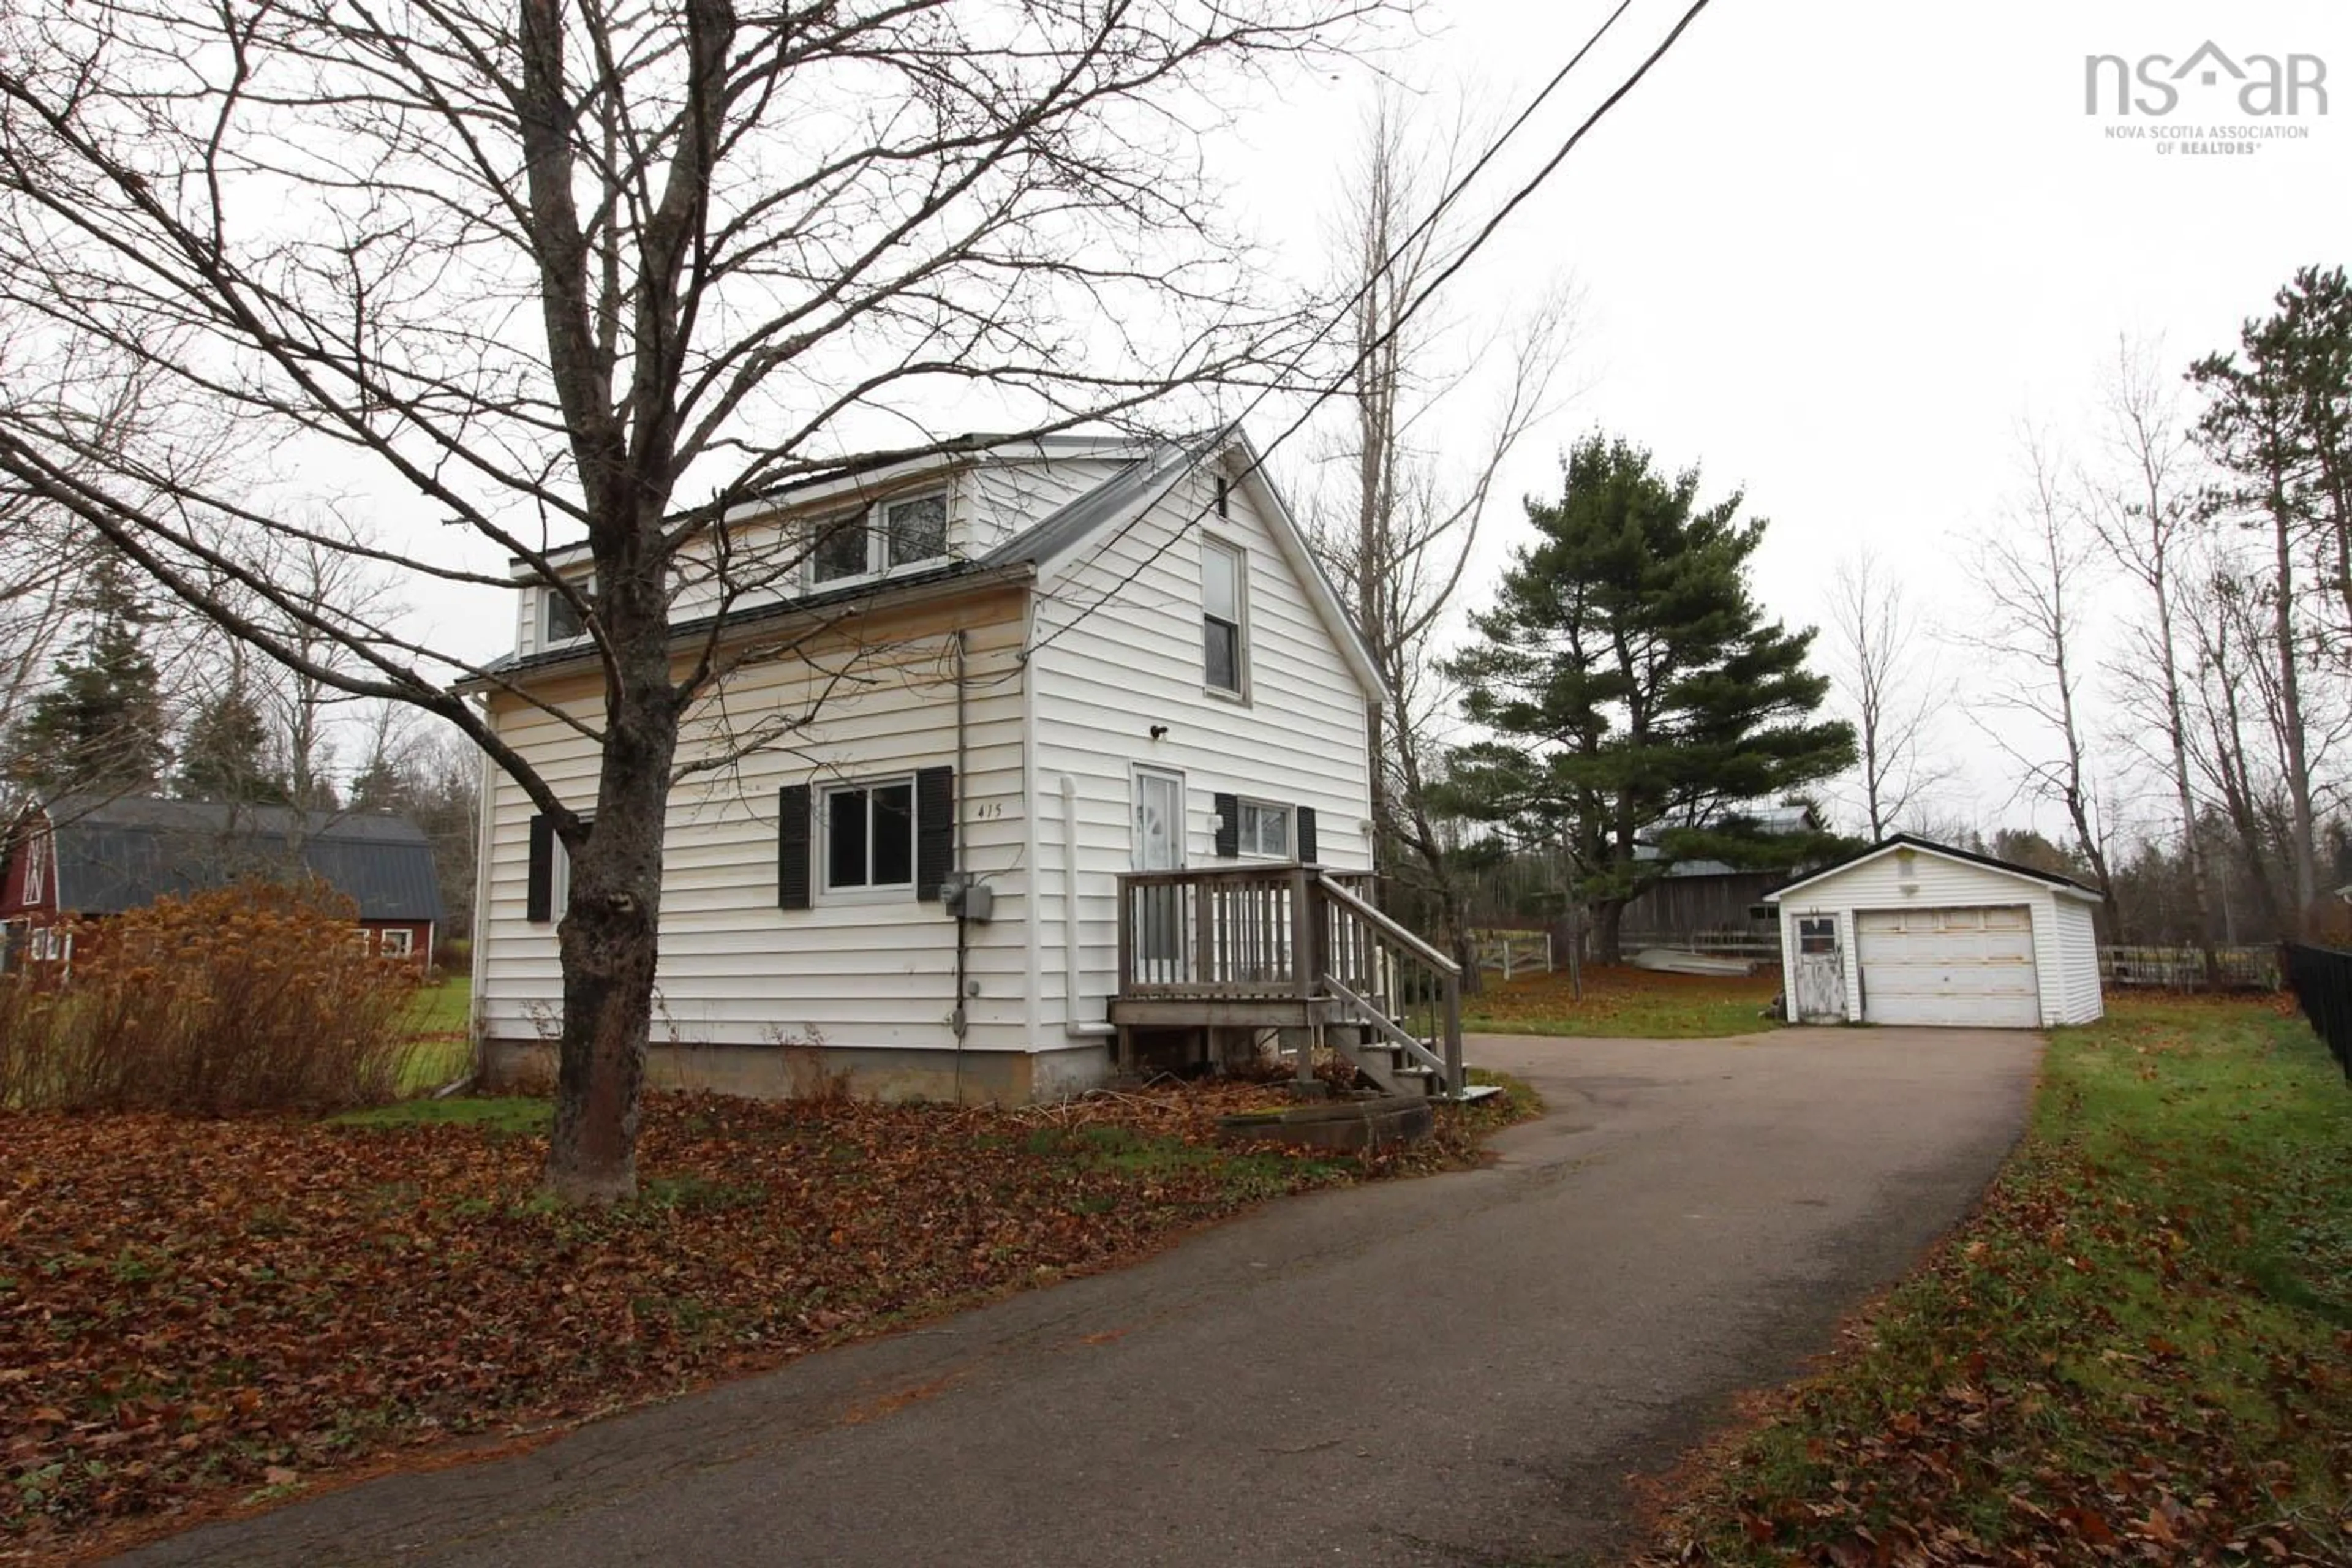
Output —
(1817, 933)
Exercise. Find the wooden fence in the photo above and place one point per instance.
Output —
(2183, 968)
(1513, 952)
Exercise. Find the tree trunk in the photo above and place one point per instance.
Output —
(2305, 850)
(1608, 916)
(609, 942)
(2176, 731)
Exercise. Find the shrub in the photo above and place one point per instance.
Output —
(253, 997)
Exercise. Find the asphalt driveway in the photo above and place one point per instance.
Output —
(1457, 1370)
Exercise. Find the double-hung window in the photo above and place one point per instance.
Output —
(1265, 829)
(881, 538)
(870, 837)
(1224, 588)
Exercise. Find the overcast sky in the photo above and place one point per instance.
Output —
(1837, 253)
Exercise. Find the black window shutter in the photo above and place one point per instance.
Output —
(1229, 826)
(1307, 856)
(540, 879)
(793, 846)
(934, 830)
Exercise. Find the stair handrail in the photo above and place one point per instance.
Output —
(1388, 926)
(1373, 1018)
(1449, 974)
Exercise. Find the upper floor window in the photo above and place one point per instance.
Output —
(883, 537)
(1224, 575)
(37, 866)
(561, 621)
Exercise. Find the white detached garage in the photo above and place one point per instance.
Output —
(1913, 932)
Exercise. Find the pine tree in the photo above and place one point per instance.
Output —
(101, 727)
(225, 754)
(1637, 693)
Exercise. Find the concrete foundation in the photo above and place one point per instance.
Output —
(800, 1072)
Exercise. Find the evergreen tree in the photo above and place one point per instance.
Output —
(1638, 695)
(101, 727)
(225, 754)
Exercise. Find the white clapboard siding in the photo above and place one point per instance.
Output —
(1005, 496)
(735, 969)
(1118, 629)
(2078, 943)
(2065, 965)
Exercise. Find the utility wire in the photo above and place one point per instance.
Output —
(1192, 453)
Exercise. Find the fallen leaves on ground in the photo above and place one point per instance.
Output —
(191, 1311)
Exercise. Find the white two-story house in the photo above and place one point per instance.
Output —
(1027, 754)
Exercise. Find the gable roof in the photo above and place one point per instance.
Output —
(113, 855)
(1137, 484)
(1927, 847)
(1142, 484)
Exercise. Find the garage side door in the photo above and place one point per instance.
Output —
(1964, 968)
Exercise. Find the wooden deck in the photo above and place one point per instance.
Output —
(1299, 949)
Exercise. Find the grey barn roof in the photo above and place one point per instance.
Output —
(120, 854)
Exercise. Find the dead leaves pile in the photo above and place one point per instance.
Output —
(192, 1310)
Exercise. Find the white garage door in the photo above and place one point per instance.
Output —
(1962, 967)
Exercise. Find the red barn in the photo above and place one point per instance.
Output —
(85, 857)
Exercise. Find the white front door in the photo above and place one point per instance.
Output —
(1966, 967)
(1159, 820)
(1157, 913)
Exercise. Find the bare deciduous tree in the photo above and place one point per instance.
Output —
(1399, 536)
(1877, 658)
(2143, 509)
(2250, 428)
(2033, 578)
(540, 268)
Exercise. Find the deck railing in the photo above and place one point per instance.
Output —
(1223, 933)
(1283, 932)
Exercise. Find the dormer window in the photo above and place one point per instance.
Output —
(843, 547)
(888, 536)
(917, 530)
(560, 620)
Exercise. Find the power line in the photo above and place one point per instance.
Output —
(1485, 232)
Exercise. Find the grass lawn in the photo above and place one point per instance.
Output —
(1620, 1000)
(437, 1026)
(199, 1315)
(2140, 1349)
